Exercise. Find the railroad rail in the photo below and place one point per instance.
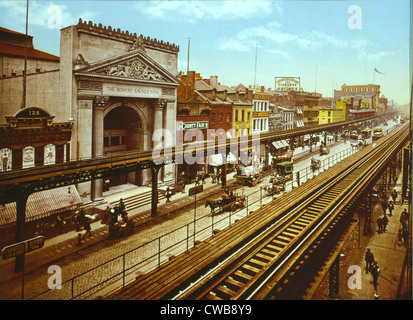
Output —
(267, 254)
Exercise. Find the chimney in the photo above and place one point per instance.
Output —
(249, 95)
(262, 88)
(213, 81)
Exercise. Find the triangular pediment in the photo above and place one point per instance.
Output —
(134, 65)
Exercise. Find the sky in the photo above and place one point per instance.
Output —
(325, 43)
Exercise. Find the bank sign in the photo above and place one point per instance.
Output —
(287, 83)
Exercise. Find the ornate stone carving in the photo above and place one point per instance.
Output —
(80, 62)
(138, 44)
(168, 92)
(132, 69)
(83, 84)
(100, 101)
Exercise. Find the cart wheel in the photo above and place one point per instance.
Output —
(234, 207)
(239, 182)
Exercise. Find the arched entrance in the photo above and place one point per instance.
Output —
(124, 129)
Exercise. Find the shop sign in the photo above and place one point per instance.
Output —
(192, 125)
(287, 83)
(258, 114)
(22, 247)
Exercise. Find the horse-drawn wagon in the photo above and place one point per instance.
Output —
(247, 177)
(228, 202)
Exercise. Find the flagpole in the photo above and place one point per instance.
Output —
(187, 70)
(25, 57)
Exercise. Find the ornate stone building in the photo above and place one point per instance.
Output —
(115, 87)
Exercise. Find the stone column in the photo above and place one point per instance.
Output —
(99, 103)
(83, 141)
(158, 118)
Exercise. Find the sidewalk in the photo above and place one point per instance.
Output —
(388, 251)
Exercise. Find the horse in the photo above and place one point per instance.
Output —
(315, 164)
(213, 204)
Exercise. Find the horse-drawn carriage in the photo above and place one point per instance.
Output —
(228, 202)
(272, 188)
(283, 174)
(121, 228)
(324, 150)
(247, 177)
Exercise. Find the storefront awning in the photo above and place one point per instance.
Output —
(280, 144)
(215, 160)
(42, 204)
(231, 158)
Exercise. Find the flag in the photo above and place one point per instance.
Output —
(378, 71)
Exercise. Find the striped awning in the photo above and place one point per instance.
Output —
(42, 204)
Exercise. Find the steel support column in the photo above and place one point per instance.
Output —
(334, 279)
(154, 204)
(224, 175)
(20, 232)
(367, 215)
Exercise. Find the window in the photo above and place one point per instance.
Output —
(249, 116)
(236, 115)
(242, 115)
(213, 117)
(115, 140)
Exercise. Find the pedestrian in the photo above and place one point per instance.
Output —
(106, 214)
(60, 223)
(369, 258)
(375, 271)
(213, 177)
(391, 208)
(121, 205)
(380, 224)
(384, 206)
(76, 220)
(394, 195)
(385, 222)
(196, 180)
(183, 186)
(404, 218)
(203, 179)
(405, 235)
(87, 227)
(168, 194)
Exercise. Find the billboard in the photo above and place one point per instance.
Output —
(287, 83)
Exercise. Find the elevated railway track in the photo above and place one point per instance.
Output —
(38, 178)
(275, 251)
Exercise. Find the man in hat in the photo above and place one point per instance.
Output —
(369, 258)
